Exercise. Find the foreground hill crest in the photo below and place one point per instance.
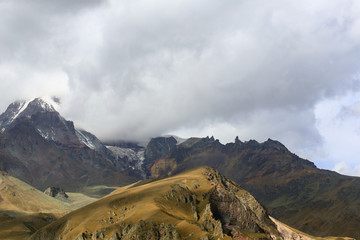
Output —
(197, 204)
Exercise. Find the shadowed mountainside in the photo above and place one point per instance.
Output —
(40, 147)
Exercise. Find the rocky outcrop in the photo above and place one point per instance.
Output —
(237, 210)
(225, 210)
(141, 230)
(56, 192)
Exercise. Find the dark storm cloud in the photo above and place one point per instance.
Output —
(135, 69)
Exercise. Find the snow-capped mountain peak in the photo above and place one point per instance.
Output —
(42, 104)
(26, 108)
(42, 115)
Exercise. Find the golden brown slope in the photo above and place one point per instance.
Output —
(24, 209)
(197, 204)
(193, 205)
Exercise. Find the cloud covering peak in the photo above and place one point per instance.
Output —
(136, 69)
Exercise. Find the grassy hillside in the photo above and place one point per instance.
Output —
(24, 209)
(197, 204)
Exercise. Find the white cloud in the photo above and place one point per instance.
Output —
(136, 69)
(344, 168)
(339, 127)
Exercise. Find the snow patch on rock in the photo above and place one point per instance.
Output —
(47, 134)
(134, 157)
(85, 140)
(22, 107)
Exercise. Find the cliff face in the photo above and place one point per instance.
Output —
(158, 147)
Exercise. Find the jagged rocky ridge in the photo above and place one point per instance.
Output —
(294, 190)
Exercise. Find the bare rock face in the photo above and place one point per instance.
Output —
(158, 147)
(238, 211)
(56, 192)
(141, 230)
(210, 224)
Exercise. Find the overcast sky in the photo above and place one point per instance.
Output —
(134, 69)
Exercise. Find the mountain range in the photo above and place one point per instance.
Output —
(40, 147)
